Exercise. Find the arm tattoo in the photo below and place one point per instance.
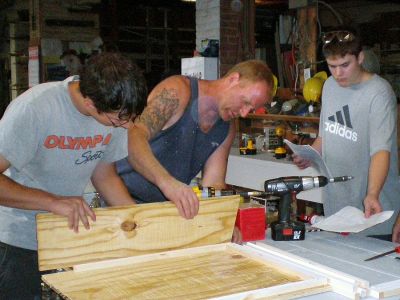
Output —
(161, 108)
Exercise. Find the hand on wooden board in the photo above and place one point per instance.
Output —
(183, 197)
(75, 209)
(237, 236)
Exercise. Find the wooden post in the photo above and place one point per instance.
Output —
(307, 18)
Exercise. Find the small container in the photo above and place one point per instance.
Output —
(251, 222)
(316, 219)
(312, 219)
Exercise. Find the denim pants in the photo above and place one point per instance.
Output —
(19, 274)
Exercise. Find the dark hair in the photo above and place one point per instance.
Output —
(341, 48)
(114, 84)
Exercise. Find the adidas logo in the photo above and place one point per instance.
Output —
(341, 126)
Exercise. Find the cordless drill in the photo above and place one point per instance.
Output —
(285, 229)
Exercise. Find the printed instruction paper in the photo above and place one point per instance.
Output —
(309, 153)
(351, 219)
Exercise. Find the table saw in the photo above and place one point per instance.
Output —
(346, 253)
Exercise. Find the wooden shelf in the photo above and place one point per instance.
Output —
(256, 124)
(289, 118)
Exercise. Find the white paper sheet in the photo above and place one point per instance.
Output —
(351, 219)
(309, 153)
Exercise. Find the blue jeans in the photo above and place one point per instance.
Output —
(19, 274)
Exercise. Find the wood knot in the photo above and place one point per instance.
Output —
(128, 226)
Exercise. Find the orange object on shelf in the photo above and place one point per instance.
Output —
(260, 111)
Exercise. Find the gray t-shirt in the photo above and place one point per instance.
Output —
(53, 147)
(357, 122)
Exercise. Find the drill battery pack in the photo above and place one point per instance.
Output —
(288, 231)
(247, 151)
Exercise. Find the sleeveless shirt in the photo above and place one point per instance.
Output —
(182, 149)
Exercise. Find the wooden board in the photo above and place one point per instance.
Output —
(133, 230)
(197, 273)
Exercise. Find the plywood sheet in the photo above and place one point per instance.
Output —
(194, 275)
(133, 230)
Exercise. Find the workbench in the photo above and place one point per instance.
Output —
(250, 171)
(130, 251)
(345, 253)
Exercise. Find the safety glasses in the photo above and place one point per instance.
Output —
(119, 122)
(340, 36)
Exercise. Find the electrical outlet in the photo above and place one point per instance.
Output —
(307, 74)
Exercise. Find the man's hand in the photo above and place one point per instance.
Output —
(237, 236)
(372, 205)
(75, 209)
(184, 198)
(396, 231)
(301, 162)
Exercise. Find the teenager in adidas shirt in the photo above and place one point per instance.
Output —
(357, 133)
(54, 138)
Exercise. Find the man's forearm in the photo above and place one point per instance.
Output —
(142, 159)
(378, 170)
(317, 144)
(16, 195)
(114, 191)
(107, 182)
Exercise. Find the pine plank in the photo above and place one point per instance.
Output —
(133, 230)
(112, 263)
(196, 275)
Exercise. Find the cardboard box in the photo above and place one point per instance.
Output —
(200, 67)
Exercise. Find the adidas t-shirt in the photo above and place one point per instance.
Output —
(356, 122)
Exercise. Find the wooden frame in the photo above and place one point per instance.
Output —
(150, 252)
(214, 271)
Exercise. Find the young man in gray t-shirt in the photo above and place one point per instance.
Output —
(54, 138)
(357, 133)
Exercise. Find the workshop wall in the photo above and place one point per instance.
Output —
(14, 40)
(59, 26)
(378, 24)
(160, 34)
(64, 20)
(376, 21)
(207, 21)
(237, 41)
(155, 33)
(227, 21)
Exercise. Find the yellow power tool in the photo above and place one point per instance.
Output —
(280, 150)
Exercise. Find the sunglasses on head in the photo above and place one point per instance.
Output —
(340, 36)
